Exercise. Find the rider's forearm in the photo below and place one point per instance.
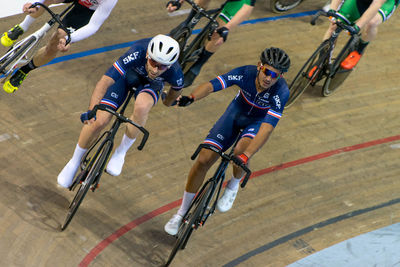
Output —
(100, 90)
(335, 4)
(370, 13)
(95, 22)
(202, 91)
(259, 140)
(240, 16)
(171, 97)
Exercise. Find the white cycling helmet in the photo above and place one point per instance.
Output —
(163, 49)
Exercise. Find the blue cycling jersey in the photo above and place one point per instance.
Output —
(135, 59)
(266, 106)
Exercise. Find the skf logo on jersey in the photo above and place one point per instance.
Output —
(179, 82)
(220, 136)
(130, 57)
(88, 3)
(277, 101)
(235, 77)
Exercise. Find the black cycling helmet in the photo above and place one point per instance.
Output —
(276, 58)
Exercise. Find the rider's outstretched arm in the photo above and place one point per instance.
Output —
(172, 95)
(202, 90)
(99, 16)
(243, 13)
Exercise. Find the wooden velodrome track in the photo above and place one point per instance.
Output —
(328, 160)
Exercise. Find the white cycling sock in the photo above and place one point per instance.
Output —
(126, 143)
(78, 153)
(186, 200)
(67, 174)
(233, 183)
(27, 22)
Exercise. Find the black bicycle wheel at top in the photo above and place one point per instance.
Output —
(280, 6)
(95, 171)
(310, 73)
(190, 221)
(181, 37)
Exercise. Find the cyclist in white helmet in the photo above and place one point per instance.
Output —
(146, 66)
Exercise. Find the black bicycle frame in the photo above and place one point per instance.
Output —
(332, 40)
(219, 176)
(108, 136)
(208, 30)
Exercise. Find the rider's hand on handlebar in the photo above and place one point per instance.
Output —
(88, 117)
(223, 32)
(27, 10)
(185, 101)
(62, 45)
(240, 160)
(174, 5)
(355, 29)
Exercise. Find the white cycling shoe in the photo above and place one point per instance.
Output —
(66, 176)
(226, 201)
(173, 224)
(114, 166)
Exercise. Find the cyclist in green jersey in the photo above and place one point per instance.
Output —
(366, 15)
(233, 13)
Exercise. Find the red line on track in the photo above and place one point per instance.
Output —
(126, 228)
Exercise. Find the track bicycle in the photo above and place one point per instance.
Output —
(281, 6)
(93, 162)
(190, 51)
(23, 51)
(203, 205)
(322, 64)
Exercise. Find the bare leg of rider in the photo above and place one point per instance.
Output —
(143, 104)
(88, 134)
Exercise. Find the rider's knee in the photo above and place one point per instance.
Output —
(204, 160)
(100, 123)
(141, 110)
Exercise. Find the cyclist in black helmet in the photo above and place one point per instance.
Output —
(256, 109)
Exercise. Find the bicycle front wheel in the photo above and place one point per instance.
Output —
(280, 6)
(310, 73)
(192, 220)
(92, 174)
(336, 77)
(8, 61)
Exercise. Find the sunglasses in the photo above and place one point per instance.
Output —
(159, 66)
(268, 72)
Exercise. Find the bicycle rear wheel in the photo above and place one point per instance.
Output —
(191, 221)
(310, 73)
(92, 174)
(181, 37)
(280, 6)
